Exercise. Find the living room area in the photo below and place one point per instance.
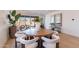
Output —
(65, 22)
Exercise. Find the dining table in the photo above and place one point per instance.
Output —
(42, 32)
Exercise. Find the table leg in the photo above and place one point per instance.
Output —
(40, 43)
(15, 44)
(57, 45)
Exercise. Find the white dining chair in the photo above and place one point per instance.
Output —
(28, 43)
(49, 43)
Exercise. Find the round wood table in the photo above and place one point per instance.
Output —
(41, 33)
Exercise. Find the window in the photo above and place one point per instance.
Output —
(29, 21)
(56, 22)
(58, 18)
(52, 19)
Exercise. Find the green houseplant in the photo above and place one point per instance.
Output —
(13, 18)
(37, 19)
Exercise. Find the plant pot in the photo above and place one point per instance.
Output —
(12, 31)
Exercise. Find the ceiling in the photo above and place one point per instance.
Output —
(35, 12)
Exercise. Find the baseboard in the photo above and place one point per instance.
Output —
(70, 34)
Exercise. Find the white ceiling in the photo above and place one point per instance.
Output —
(35, 12)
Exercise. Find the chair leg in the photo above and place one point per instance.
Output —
(15, 44)
(22, 45)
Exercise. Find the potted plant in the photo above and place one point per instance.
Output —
(13, 18)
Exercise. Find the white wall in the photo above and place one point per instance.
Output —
(68, 26)
(3, 27)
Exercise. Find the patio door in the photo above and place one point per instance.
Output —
(56, 22)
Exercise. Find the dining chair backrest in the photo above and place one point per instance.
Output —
(28, 43)
(31, 41)
(49, 40)
(49, 43)
(23, 41)
(21, 38)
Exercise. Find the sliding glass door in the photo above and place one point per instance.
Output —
(56, 22)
